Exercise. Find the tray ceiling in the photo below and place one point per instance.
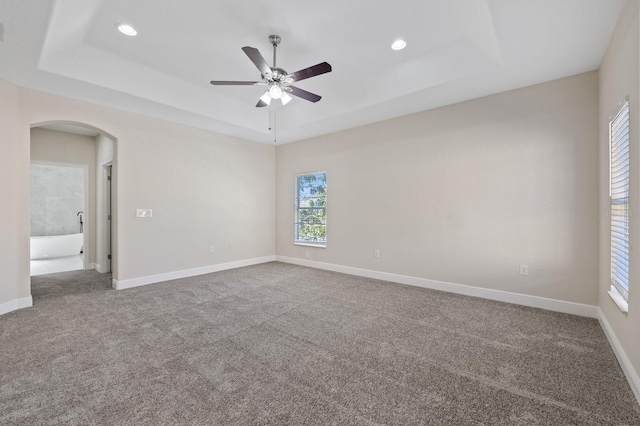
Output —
(456, 50)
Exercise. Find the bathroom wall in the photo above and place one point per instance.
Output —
(57, 195)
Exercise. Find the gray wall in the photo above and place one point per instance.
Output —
(57, 195)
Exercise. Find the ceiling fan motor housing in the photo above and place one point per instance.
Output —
(278, 75)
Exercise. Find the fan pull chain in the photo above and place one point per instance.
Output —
(274, 127)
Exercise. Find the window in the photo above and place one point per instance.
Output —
(311, 209)
(619, 212)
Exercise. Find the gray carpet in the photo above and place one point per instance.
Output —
(277, 344)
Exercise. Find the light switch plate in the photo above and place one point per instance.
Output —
(143, 212)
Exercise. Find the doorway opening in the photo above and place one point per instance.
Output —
(73, 147)
(105, 219)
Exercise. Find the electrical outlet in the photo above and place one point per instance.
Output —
(212, 249)
(306, 253)
(376, 253)
(524, 270)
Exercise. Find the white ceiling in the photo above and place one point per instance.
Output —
(457, 50)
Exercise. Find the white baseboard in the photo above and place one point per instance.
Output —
(91, 266)
(623, 359)
(186, 273)
(484, 293)
(16, 304)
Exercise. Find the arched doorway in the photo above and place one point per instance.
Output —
(74, 144)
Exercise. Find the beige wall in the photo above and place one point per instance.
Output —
(204, 188)
(14, 273)
(51, 146)
(619, 77)
(464, 194)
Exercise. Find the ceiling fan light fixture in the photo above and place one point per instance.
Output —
(399, 45)
(277, 80)
(275, 91)
(127, 30)
(266, 98)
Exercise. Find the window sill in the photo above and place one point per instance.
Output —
(319, 245)
(618, 300)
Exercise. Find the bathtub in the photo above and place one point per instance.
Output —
(56, 246)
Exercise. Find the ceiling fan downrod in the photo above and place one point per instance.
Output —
(275, 41)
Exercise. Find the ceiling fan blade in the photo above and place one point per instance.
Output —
(261, 104)
(257, 59)
(237, 83)
(311, 97)
(311, 71)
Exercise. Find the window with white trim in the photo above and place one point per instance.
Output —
(619, 208)
(311, 209)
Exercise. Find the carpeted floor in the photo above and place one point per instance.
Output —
(278, 344)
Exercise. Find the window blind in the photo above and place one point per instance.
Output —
(619, 194)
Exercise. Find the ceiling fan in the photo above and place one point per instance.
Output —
(277, 79)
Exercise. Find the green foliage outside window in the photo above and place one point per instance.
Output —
(311, 208)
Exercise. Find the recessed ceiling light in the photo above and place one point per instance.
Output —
(127, 29)
(399, 45)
